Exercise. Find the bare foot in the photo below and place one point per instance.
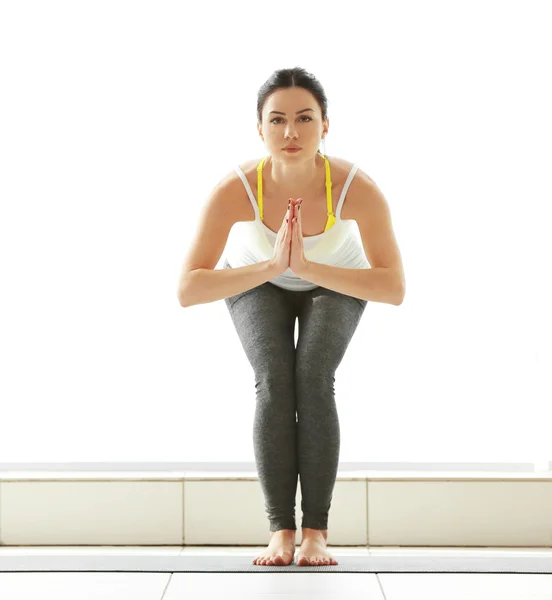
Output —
(313, 551)
(280, 550)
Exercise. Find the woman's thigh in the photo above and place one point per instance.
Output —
(264, 319)
(327, 323)
(265, 316)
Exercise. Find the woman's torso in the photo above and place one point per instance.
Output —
(314, 212)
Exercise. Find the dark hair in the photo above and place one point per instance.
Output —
(288, 78)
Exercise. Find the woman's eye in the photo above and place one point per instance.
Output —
(303, 117)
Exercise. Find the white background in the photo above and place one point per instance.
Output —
(119, 118)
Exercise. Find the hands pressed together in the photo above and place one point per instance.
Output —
(297, 259)
(289, 252)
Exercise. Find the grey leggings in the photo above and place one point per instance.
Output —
(296, 426)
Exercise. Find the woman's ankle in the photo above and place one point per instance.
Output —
(308, 532)
(291, 533)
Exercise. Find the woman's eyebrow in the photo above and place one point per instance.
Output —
(282, 113)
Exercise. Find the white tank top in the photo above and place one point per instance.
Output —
(252, 242)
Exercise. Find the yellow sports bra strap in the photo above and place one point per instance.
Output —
(260, 184)
(331, 217)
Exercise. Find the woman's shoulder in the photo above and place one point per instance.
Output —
(339, 168)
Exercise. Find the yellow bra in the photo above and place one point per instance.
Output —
(331, 217)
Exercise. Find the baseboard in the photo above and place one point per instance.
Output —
(368, 508)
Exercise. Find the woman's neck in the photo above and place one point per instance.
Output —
(294, 178)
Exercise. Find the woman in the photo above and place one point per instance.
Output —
(294, 236)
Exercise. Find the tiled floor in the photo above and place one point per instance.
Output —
(279, 586)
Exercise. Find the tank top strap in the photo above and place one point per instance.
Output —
(260, 185)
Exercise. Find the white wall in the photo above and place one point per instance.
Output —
(118, 119)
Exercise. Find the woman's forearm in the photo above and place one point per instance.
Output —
(208, 285)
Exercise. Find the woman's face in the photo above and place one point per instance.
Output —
(303, 129)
